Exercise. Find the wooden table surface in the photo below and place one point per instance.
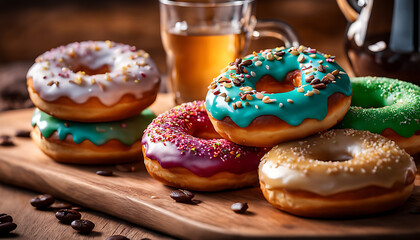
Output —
(19, 43)
(36, 224)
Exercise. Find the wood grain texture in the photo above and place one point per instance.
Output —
(36, 224)
(128, 195)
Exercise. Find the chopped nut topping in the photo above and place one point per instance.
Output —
(301, 58)
(108, 78)
(309, 93)
(246, 89)
(267, 99)
(294, 52)
(108, 43)
(259, 95)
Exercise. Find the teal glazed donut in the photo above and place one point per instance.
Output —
(278, 95)
(386, 106)
(90, 143)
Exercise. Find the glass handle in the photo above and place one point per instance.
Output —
(276, 29)
(349, 9)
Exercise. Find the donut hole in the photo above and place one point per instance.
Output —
(89, 71)
(369, 98)
(338, 149)
(203, 128)
(270, 85)
(334, 157)
(206, 134)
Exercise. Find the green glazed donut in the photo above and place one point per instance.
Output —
(381, 103)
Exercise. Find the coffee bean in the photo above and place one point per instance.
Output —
(181, 195)
(239, 207)
(5, 218)
(60, 205)
(67, 215)
(7, 227)
(82, 226)
(6, 141)
(23, 133)
(117, 237)
(105, 173)
(42, 201)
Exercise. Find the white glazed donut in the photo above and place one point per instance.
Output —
(339, 173)
(93, 81)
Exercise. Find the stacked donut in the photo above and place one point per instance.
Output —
(283, 96)
(91, 99)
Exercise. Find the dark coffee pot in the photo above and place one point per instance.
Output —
(383, 38)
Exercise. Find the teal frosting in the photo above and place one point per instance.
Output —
(381, 103)
(302, 107)
(127, 131)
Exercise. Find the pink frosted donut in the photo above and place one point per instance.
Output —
(93, 81)
(182, 149)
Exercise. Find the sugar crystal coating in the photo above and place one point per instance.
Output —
(381, 103)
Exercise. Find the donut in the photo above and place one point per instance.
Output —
(182, 149)
(90, 143)
(278, 95)
(93, 81)
(338, 173)
(388, 107)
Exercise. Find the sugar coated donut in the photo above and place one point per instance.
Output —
(339, 173)
(388, 107)
(181, 149)
(93, 81)
(90, 143)
(261, 100)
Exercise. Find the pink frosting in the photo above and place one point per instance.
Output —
(167, 140)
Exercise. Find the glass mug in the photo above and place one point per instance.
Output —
(201, 38)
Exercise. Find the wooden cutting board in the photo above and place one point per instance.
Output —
(128, 195)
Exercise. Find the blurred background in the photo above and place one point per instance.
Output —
(29, 28)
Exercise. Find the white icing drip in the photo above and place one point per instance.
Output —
(132, 72)
(324, 184)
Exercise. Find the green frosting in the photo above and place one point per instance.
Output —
(127, 131)
(381, 103)
(301, 107)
